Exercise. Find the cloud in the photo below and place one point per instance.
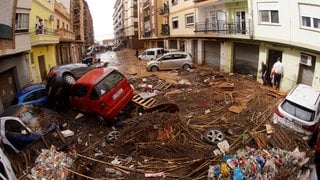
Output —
(101, 12)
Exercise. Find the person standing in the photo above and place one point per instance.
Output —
(278, 73)
(264, 73)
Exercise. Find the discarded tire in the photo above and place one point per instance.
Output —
(213, 136)
(113, 136)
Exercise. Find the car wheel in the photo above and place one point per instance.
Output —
(113, 136)
(154, 68)
(186, 67)
(213, 136)
(69, 78)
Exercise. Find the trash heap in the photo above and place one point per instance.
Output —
(251, 163)
(51, 164)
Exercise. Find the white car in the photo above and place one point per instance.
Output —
(300, 110)
(172, 60)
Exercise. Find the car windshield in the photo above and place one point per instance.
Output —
(107, 83)
(298, 111)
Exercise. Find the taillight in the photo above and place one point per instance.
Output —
(278, 113)
(310, 128)
(53, 73)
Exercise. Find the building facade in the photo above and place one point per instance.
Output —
(237, 35)
(43, 39)
(14, 49)
(131, 25)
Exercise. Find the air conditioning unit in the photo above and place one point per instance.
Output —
(51, 17)
(306, 60)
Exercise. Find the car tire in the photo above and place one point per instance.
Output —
(186, 67)
(213, 136)
(69, 78)
(112, 136)
(154, 68)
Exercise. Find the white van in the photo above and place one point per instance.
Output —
(151, 54)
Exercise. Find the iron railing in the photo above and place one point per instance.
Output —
(226, 27)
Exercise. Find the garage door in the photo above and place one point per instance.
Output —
(173, 44)
(212, 53)
(8, 88)
(246, 58)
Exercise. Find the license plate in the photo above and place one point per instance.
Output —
(117, 93)
(290, 123)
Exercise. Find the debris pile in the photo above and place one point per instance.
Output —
(51, 164)
(251, 163)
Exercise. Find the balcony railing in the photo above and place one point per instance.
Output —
(165, 29)
(164, 9)
(225, 27)
(65, 34)
(147, 18)
(147, 34)
(45, 36)
(146, 3)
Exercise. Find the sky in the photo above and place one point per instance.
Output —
(101, 12)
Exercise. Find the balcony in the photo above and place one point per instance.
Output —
(165, 29)
(147, 34)
(146, 3)
(146, 18)
(65, 34)
(164, 9)
(45, 36)
(224, 27)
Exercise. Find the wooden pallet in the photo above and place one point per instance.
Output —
(146, 103)
(163, 86)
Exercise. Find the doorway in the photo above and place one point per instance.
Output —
(42, 68)
(272, 58)
(241, 22)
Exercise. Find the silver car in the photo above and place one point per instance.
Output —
(171, 60)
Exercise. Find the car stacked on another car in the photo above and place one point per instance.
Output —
(171, 60)
(103, 92)
(299, 110)
(60, 80)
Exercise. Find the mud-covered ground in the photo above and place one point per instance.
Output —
(172, 144)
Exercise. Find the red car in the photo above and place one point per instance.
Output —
(102, 91)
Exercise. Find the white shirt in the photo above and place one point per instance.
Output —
(278, 67)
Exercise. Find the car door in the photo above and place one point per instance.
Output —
(165, 62)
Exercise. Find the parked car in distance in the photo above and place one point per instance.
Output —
(34, 94)
(299, 110)
(60, 80)
(117, 47)
(172, 60)
(103, 92)
(151, 54)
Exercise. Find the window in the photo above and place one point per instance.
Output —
(22, 22)
(310, 17)
(189, 19)
(174, 2)
(268, 13)
(175, 23)
(106, 84)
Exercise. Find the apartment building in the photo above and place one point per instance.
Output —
(131, 25)
(14, 48)
(87, 25)
(237, 35)
(118, 21)
(67, 49)
(43, 39)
